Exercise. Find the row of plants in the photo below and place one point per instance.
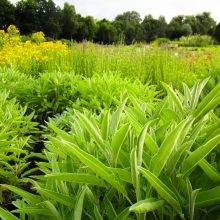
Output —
(139, 158)
(138, 61)
(52, 93)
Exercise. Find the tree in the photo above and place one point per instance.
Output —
(151, 28)
(186, 30)
(193, 22)
(26, 15)
(217, 33)
(87, 28)
(128, 24)
(106, 32)
(206, 24)
(69, 21)
(175, 26)
(7, 11)
(162, 27)
(49, 17)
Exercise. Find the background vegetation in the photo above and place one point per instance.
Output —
(41, 15)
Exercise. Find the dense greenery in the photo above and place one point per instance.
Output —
(42, 15)
(117, 152)
(91, 131)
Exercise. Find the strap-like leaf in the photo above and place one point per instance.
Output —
(94, 164)
(146, 205)
(209, 197)
(161, 189)
(199, 154)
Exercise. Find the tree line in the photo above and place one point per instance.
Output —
(44, 15)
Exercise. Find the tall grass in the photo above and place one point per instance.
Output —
(136, 62)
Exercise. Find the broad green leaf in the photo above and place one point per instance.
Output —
(29, 197)
(115, 119)
(58, 197)
(209, 197)
(161, 189)
(187, 94)
(135, 173)
(94, 164)
(134, 122)
(79, 204)
(118, 140)
(91, 128)
(201, 152)
(105, 126)
(77, 178)
(6, 215)
(207, 99)
(146, 205)
(33, 211)
(209, 170)
(197, 89)
(210, 106)
(140, 144)
(97, 213)
(192, 194)
(53, 210)
(174, 96)
(123, 215)
(109, 209)
(122, 174)
(13, 149)
(151, 144)
(169, 144)
(208, 103)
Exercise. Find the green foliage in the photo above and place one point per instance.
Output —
(154, 161)
(16, 141)
(160, 41)
(51, 94)
(196, 41)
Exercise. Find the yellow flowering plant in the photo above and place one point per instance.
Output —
(30, 56)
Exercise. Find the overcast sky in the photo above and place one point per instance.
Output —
(169, 8)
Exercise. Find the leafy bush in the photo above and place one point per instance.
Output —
(196, 41)
(52, 93)
(136, 162)
(160, 41)
(16, 142)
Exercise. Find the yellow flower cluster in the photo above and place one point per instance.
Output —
(28, 54)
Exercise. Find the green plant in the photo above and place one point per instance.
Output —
(16, 142)
(160, 41)
(196, 41)
(141, 161)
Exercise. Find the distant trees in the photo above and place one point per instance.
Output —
(181, 25)
(49, 16)
(154, 28)
(106, 32)
(127, 25)
(7, 14)
(27, 18)
(217, 33)
(43, 15)
(69, 22)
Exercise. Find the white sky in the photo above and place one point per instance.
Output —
(169, 8)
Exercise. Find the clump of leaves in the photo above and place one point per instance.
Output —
(16, 130)
(52, 93)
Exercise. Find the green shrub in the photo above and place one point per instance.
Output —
(52, 93)
(196, 41)
(160, 41)
(16, 142)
